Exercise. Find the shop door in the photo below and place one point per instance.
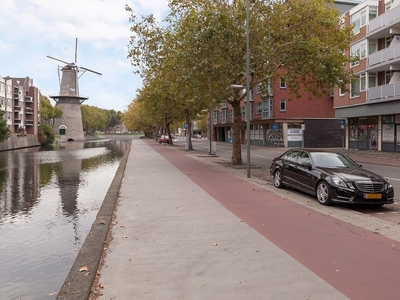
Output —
(373, 137)
(372, 133)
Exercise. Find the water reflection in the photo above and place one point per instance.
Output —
(48, 201)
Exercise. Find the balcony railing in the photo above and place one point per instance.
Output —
(29, 111)
(388, 55)
(28, 122)
(28, 99)
(17, 108)
(384, 92)
(384, 20)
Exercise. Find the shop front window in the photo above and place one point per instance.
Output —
(353, 124)
(388, 129)
(362, 132)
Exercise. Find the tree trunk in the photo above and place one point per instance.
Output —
(236, 131)
(171, 142)
(189, 130)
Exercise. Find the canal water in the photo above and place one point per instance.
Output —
(48, 202)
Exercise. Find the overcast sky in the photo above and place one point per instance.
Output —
(33, 29)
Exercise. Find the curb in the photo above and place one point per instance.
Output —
(80, 279)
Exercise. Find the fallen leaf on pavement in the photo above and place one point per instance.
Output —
(84, 269)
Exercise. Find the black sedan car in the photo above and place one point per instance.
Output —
(331, 177)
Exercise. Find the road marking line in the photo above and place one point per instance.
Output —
(393, 178)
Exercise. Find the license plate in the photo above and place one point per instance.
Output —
(373, 196)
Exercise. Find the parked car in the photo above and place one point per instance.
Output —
(163, 138)
(331, 177)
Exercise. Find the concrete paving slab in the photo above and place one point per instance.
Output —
(172, 240)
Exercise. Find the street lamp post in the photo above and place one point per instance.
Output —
(248, 113)
(209, 131)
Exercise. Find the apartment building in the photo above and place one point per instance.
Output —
(6, 100)
(372, 105)
(278, 122)
(20, 100)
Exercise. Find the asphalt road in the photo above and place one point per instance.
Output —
(262, 156)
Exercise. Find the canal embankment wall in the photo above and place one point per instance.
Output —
(81, 277)
(19, 141)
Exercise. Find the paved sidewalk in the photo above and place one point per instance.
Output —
(186, 230)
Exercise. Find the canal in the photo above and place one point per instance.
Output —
(48, 202)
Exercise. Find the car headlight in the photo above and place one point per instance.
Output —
(339, 182)
(388, 184)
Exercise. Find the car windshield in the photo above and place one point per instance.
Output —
(332, 160)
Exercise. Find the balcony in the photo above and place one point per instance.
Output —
(28, 111)
(386, 92)
(380, 59)
(382, 25)
(29, 123)
(29, 99)
(17, 121)
(17, 108)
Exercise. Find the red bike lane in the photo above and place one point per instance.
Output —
(359, 263)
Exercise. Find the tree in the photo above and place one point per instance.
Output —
(4, 130)
(46, 134)
(93, 118)
(48, 111)
(113, 119)
(203, 46)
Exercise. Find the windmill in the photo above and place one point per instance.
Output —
(69, 126)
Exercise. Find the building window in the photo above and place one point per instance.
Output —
(259, 108)
(362, 17)
(371, 80)
(355, 20)
(358, 50)
(258, 88)
(389, 75)
(283, 105)
(242, 111)
(372, 46)
(223, 116)
(373, 12)
(388, 41)
(267, 108)
(355, 87)
(363, 82)
(230, 113)
(215, 117)
(283, 83)
(341, 93)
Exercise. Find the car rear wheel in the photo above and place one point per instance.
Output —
(324, 193)
(278, 178)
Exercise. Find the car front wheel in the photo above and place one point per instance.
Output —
(278, 178)
(324, 193)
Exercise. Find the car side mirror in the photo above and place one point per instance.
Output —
(306, 165)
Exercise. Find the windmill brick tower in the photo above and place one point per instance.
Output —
(69, 127)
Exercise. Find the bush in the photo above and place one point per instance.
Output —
(4, 131)
(46, 135)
